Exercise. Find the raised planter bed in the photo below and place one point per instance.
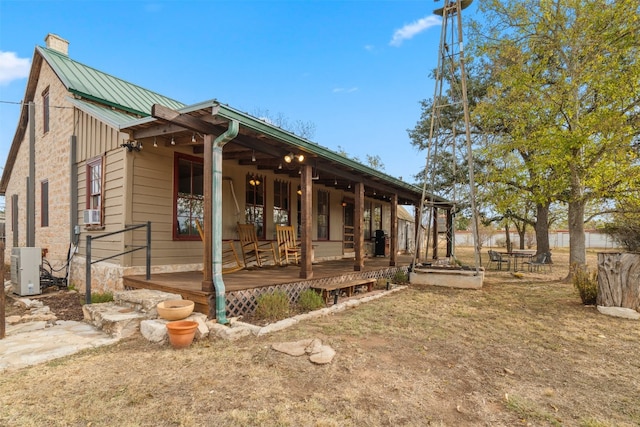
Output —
(451, 277)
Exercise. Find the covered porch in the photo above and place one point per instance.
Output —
(333, 208)
(243, 287)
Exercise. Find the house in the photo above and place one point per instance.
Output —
(93, 154)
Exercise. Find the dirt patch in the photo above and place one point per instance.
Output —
(66, 305)
(520, 351)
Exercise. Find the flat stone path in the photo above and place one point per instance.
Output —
(38, 346)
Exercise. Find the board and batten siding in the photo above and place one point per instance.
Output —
(152, 196)
(96, 139)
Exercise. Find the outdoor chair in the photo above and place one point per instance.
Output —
(287, 245)
(497, 259)
(230, 260)
(252, 249)
(540, 260)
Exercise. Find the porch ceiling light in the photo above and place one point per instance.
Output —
(290, 157)
(132, 146)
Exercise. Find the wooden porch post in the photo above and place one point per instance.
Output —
(450, 233)
(434, 235)
(418, 227)
(306, 184)
(393, 245)
(207, 255)
(358, 229)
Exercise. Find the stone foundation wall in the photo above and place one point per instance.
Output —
(108, 277)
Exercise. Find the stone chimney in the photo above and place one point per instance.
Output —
(57, 43)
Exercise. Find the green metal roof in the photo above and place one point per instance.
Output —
(114, 101)
(101, 87)
(110, 116)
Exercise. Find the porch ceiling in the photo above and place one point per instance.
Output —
(268, 145)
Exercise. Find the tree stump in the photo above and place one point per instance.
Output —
(619, 280)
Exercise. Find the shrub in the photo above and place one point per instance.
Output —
(400, 277)
(381, 283)
(99, 297)
(310, 300)
(273, 306)
(586, 282)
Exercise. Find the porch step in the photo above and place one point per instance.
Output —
(121, 318)
(116, 320)
(143, 300)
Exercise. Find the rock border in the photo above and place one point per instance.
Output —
(237, 329)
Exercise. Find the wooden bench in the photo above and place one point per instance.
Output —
(348, 287)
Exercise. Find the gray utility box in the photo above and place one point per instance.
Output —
(25, 270)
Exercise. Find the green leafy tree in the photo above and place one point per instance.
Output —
(566, 89)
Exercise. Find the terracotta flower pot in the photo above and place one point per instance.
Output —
(181, 333)
(175, 309)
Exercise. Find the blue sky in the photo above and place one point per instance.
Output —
(357, 70)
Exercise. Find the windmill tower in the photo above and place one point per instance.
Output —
(451, 69)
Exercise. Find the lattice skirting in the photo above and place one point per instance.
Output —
(244, 302)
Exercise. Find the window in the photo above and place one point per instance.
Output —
(377, 218)
(189, 196)
(44, 203)
(94, 185)
(254, 203)
(45, 110)
(281, 202)
(323, 215)
(367, 221)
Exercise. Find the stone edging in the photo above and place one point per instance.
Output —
(238, 329)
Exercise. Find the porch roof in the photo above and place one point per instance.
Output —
(269, 144)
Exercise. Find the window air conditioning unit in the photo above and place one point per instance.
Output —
(92, 216)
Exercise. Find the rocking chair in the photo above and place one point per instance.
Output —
(287, 245)
(252, 250)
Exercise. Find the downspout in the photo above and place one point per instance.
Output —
(216, 219)
(31, 181)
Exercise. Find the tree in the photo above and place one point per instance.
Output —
(301, 128)
(375, 162)
(566, 86)
(447, 173)
(625, 226)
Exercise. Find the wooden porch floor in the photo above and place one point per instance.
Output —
(189, 283)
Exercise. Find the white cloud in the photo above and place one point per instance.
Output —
(369, 47)
(408, 31)
(12, 68)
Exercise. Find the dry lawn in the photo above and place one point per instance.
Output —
(521, 351)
